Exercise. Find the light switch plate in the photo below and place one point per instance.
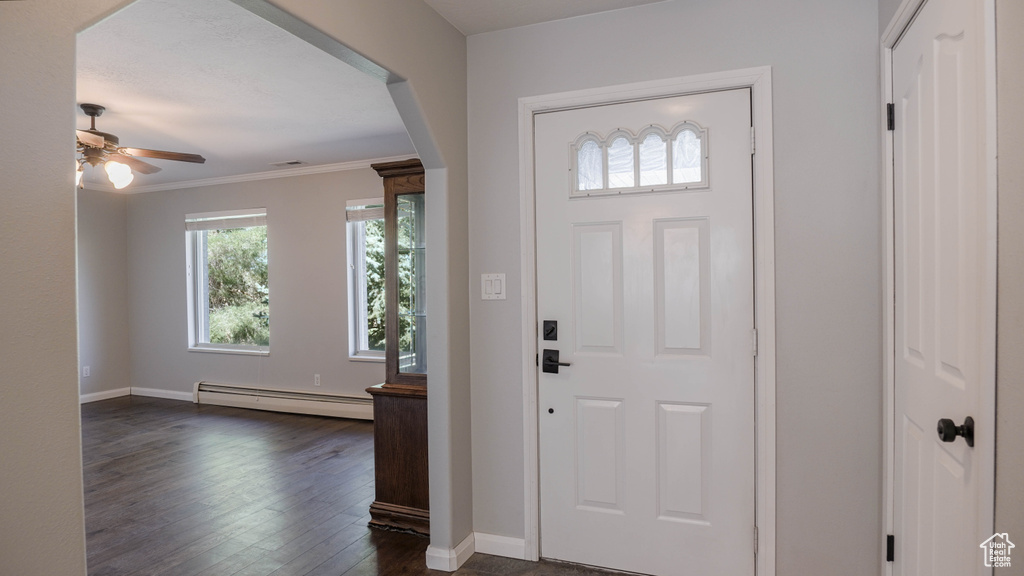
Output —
(492, 286)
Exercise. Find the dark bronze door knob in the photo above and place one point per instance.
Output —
(948, 430)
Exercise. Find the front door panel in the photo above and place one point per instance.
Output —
(647, 437)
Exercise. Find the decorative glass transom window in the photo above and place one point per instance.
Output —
(652, 160)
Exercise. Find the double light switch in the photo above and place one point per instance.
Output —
(492, 286)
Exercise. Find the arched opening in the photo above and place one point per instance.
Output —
(443, 219)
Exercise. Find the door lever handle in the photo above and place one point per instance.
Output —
(550, 363)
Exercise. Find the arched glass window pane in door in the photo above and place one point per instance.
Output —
(653, 161)
(686, 158)
(620, 164)
(589, 167)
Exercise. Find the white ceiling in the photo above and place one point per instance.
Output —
(208, 77)
(477, 16)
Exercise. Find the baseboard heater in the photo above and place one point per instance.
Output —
(296, 401)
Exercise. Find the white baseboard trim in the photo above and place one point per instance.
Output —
(500, 545)
(448, 559)
(104, 395)
(168, 394)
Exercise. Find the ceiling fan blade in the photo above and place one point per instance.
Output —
(162, 155)
(90, 139)
(135, 164)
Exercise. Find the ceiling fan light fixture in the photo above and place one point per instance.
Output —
(79, 172)
(103, 148)
(120, 175)
(122, 181)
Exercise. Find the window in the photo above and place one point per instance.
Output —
(365, 227)
(654, 160)
(228, 279)
(620, 163)
(686, 157)
(589, 166)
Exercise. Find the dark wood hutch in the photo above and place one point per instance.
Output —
(400, 404)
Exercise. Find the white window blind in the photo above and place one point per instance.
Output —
(226, 219)
(365, 209)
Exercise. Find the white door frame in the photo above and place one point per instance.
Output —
(899, 23)
(760, 84)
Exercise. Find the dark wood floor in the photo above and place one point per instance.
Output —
(173, 488)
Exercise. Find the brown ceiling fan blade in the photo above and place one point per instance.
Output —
(135, 164)
(162, 155)
(90, 139)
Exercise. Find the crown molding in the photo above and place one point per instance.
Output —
(253, 176)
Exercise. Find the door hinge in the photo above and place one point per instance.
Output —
(890, 548)
(753, 143)
(755, 540)
(753, 340)
(537, 359)
(890, 115)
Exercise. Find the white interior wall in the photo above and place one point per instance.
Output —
(103, 291)
(1010, 299)
(824, 57)
(886, 10)
(41, 517)
(308, 285)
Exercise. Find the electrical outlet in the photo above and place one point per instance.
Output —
(86, 371)
(316, 379)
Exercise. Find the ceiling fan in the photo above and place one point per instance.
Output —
(104, 148)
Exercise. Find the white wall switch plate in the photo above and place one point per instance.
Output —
(492, 286)
(86, 371)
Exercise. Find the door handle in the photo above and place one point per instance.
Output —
(948, 430)
(550, 363)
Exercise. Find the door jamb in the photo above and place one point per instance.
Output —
(901, 20)
(760, 83)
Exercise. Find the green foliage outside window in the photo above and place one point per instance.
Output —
(375, 296)
(375, 283)
(239, 298)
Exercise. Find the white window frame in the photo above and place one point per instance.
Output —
(358, 323)
(196, 274)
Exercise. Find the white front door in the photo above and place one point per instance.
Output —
(943, 354)
(645, 261)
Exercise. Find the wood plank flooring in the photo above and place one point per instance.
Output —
(174, 488)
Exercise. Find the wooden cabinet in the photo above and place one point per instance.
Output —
(400, 404)
(400, 458)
